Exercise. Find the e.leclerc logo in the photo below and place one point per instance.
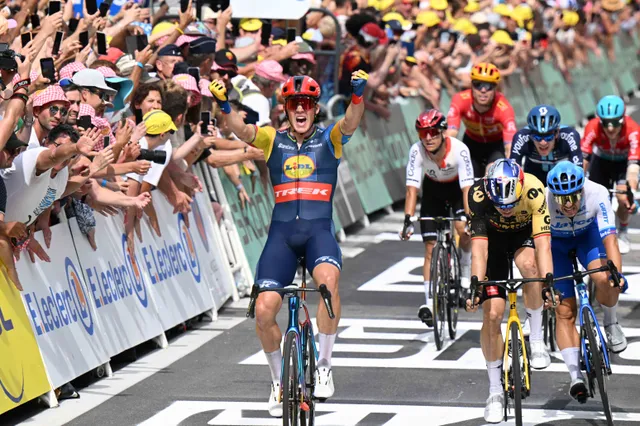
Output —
(79, 297)
(190, 248)
(6, 327)
(197, 214)
(132, 269)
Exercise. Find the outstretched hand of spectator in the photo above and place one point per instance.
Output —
(183, 203)
(35, 249)
(141, 201)
(16, 230)
(102, 160)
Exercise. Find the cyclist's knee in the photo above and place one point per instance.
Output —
(527, 266)
(327, 274)
(566, 311)
(493, 314)
(267, 307)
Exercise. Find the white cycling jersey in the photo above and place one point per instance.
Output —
(595, 209)
(455, 165)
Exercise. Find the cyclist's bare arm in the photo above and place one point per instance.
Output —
(245, 132)
(479, 257)
(632, 175)
(610, 243)
(410, 200)
(544, 260)
(465, 199)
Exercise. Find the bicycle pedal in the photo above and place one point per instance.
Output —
(304, 406)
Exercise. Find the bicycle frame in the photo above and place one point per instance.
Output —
(513, 317)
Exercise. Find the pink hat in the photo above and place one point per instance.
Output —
(188, 82)
(113, 54)
(70, 69)
(50, 94)
(204, 88)
(271, 70)
(304, 57)
(185, 39)
(107, 72)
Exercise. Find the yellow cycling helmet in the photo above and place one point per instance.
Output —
(485, 71)
(428, 18)
(570, 18)
(465, 26)
(502, 37)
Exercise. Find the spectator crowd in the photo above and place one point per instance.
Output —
(102, 111)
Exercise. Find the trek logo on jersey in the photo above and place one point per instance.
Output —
(299, 167)
(302, 191)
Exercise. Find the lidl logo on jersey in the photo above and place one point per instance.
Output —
(299, 167)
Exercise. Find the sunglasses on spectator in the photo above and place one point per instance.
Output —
(483, 85)
(547, 137)
(103, 96)
(306, 102)
(230, 73)
(571, 199)
(430, 133)
(54, 109)
(614, 122)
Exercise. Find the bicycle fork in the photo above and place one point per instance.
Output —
(513, 318)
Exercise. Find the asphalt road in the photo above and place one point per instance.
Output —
(386, 367)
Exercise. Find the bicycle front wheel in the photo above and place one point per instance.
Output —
(549, 323)
(516, 372)
(307, 417)
(290, 375)
(453, 291)
(596, 362)
(439, 279)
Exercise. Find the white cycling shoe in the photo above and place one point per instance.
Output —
(324, 387)
(275, 404)
(494, 410)
(540, 358)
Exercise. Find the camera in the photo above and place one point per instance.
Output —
(158, 157)
(7, 57)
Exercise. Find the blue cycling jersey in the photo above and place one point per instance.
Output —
(567, 147)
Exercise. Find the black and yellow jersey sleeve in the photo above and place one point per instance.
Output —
(478, 203)
(536, 204)
(264, 140)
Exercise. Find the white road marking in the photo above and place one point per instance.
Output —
(107, 388)
(351, 414)
(351, 252)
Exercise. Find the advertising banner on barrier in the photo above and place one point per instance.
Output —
(175, 266)
(120, 296)
(22, 374)
(61, 310)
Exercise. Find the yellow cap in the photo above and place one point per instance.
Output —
(162, 27)
(250, 24)
(411, 60)
(571, 18)
(503, 10)
(392, 16)
(463, 25)
(428, 18)
(158, 122)
(382, 4)
(281, 42)
(522, 12)
(502, 37)
(472, 7)
(439, 4)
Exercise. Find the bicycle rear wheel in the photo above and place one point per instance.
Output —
(439, 278)
(596, 362)
(453, 292)
(290, 376)
(307, 418)
(516, 372)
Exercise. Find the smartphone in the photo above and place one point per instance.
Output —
(26, 38)
(48, 69)
(195, 72)
(184, 5)
(266, 33)
(102, 43)
(205, 117)
(73, 25)
(219, 5)
(84, 122)
(35, 21)
(56, 43)
(84, 39)
(138, 114)
(92, 6)
(105, 140)
(104, 7)
(291, 35)
(132, 44)
(142, 41)
(54, 7)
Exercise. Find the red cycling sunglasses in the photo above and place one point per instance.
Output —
(306, 102)
(431, 133)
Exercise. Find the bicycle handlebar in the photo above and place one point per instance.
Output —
(290, 289)
(439, 219)
(510, 285)
(578, 276)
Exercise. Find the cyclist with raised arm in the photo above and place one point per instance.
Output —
(303, 165)
(544, 142)
(610, 148)
(508, 213)
(582, 220)
(443, 163)
(487, 115)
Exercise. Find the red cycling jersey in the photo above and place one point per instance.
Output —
(496, 125)
(596, 142)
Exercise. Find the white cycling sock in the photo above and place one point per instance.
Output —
(326, 348)
(610, 316)
(571, 358)
(274, 359)
(494, 368)
(427, 290)
(535, 323)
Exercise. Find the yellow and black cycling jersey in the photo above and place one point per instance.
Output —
(530, 211)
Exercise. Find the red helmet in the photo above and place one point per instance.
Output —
(431, 119)
(301, 85)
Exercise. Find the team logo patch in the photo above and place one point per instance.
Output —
(297, 167)
(302, 191)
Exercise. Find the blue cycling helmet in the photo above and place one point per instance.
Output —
(610, 107)
(504, 183)
(565, 178)
(543, 119)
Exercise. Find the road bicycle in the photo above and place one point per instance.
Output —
(516, 374)
(445, 277)
(549, 328)
(594, 354)
(300, 354)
